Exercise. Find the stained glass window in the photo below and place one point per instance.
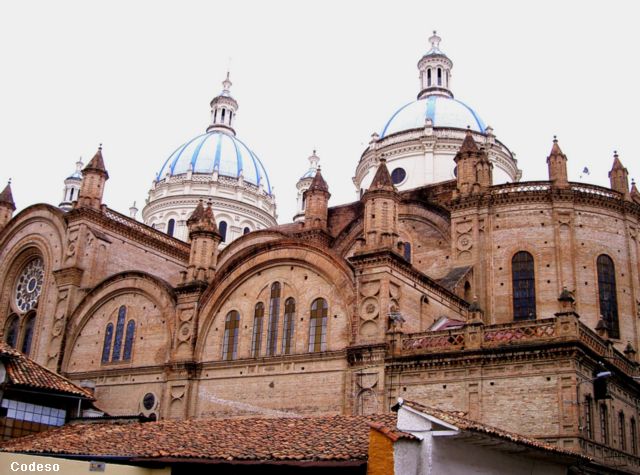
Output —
(274, 315)
(128, 340)
(256, 339)
(28, 333)
(230, 343)
(106, 347)
(12, 331)
(289, 323)
(607, 294)
(524, 287)
(117, 343)
(318, 326)
(29, 285)
(407, 251)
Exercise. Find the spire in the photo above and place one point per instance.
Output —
(557, 166)
(435, 71)
(318, 183)
(617, 164)
(96, 163)
(382, 178)
(223, 110)
(635, 194)
(468, 144)
(6, 197)
(205, 240)
(619, 177)
(202, 219)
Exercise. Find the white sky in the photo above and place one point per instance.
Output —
(138, 77)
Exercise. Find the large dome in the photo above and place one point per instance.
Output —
(216, 150)
(443, 112)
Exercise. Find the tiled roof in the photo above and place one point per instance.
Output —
(458, 419)
(391, 432)
(306, 439)
(22, 371)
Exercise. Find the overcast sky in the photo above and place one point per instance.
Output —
(138, 77)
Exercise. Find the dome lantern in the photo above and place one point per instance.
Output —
(435, 71)
(223, 110)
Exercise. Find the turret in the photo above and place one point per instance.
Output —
(316, 200)
(205, 239)
(484, 171)
(303, 185)
(94, 176)
(72, 185)
(223, 110)
(7, 206)
(435, 71)
(466, 160)
(634, 194)
(381, 210)
(557, 164)
(619, 177)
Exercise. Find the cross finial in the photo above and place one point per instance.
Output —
(100, 147)
(9, 181)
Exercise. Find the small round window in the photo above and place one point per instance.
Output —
(398, 175)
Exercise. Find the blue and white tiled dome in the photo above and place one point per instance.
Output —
(443, 111)
(219, 151)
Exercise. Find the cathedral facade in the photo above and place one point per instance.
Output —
(449, 282)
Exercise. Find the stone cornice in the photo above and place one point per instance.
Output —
(132, 229)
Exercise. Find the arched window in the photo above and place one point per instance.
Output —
(604, 424)
(222, 116)
(230, 116)
(256, 339)
(230, 343)
(246, 230)
(429, 77)
(128, 340)
(215, 115)
(274, 315)
(439, 76)
(117, 343)
(223, 230)
(467, 291)
(524, 287)
(607, 294)
(634, 436)
(11, 332)
(318, 326)
(407, 251)
(588, 416)
(288, 326)
(171, 227)
(622, 431)
(106, 347)
(27, 335)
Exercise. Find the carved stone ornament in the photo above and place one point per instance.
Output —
(464, 242)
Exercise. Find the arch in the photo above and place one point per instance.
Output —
(230, 343)
(318, 326)
(523, 286)
(288, 326)
(607, 294)
(132, 283)
(222, 228)
(258, 324)
(28, 327)
(171, 227)
(11, 331)
(244, 265)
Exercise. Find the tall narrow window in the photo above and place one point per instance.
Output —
(11, 332)
(634, 436)
(230, 116)
(622, 431)
(467, 291)
(288, 326)
(222, 227)
(106, 347)
(407, 251)
(128, 340)
(524, 287)
(71, 194)
(256, 339)
(230, 344)
(604, 424)
(215, 115)
(28, 333)
(318, 326)
(439, 76)
(607, 294)
(117, 343)
(429, 77)
(222, 116)
(588, 416)
(171, 227)
(274, 315)
(246, 230)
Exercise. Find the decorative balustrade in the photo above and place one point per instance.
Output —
(141, 228)
(478, 336)
(521, 187)
(595, 190)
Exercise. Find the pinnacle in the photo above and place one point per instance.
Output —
(318, 183)
(202, 218)
(97, 162)
(382, 179)
(6, 197)
(617, 164)
(555, 149)
(468, 144)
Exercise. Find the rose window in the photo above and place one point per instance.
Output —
(29, 285)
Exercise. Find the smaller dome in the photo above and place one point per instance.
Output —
(310, 174)
(219, 151)
(443, 112)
